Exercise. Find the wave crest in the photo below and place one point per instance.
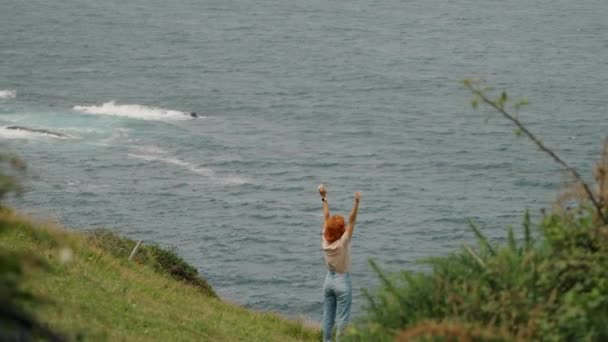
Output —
(8, 94)
(133, 111)
(158, 155)
(8, 133)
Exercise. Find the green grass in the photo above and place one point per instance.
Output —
(89, 291)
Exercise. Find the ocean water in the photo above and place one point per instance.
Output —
(358, 95)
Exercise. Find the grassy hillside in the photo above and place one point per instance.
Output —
(87, 289)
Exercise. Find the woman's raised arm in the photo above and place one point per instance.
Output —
(323, 193)
(352, 219)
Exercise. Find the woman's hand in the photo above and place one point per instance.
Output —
(322, 190)
(358, 196)
(323, 193)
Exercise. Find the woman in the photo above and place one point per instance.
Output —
(336, 249)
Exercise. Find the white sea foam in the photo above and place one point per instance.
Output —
(79, 187)
(203, 171)
(175, 161)
(133, 111)
(21, 134)
(151, 149)
(8, 94)
(117, 135)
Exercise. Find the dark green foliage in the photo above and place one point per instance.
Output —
(169, 261)
(483, 242)
(553, 289)
(16, 323)
(12, 169)
(162, 260)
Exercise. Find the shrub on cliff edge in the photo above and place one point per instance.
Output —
(552, 288)
(162, 260)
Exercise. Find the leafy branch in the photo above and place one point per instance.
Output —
(11, 168)
(499, 105)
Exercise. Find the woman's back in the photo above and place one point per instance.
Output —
(337, 254)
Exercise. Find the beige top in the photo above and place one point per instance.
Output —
(337, 254)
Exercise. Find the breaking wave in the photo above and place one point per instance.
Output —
(8, 94)
(133, 111)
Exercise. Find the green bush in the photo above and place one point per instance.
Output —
(162, 260)
(553, 289)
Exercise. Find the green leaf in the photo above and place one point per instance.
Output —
(475, 256)
(518, 132)
(522, 102)
(511, 239)
(527, 233)
(483, 241)
(475, 103)
(503, 97)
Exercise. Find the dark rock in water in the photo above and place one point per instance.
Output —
(193, 114)
(41, 131)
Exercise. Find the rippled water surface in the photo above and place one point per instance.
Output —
(359, 95)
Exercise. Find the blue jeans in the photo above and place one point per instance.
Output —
(337, 292)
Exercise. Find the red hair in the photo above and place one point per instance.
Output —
(334, 228)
